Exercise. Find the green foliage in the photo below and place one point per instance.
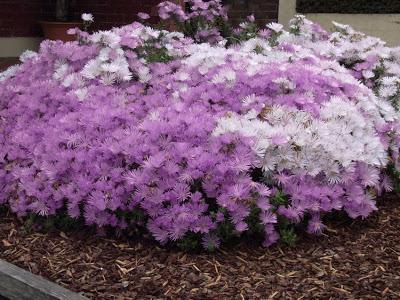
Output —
(349, 7)
(154, 54)
(395, 176)
(254, 223)
(226, 231)
(190, 242)
(288, 236)
(287, 231)
(29, 222)
(136, 215)
(280, 198)
(210, 247)
(3, 210)
(61, 221)
(249, 31)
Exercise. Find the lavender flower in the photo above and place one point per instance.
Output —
(197, 131)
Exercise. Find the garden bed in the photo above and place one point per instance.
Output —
(208, 138)
(358, 260)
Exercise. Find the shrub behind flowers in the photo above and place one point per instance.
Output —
(212, 132)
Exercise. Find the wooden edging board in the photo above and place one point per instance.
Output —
(18, 284)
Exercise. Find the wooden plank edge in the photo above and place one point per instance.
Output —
(18, 284)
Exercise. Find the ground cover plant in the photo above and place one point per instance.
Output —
(202, 134)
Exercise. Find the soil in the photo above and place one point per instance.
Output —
(353, 259)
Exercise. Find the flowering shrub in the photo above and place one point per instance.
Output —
(254, 132)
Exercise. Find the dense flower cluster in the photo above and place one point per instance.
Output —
(368, 58)
(204, 21)
(275, 129)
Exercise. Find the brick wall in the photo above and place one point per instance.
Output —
(19, 17)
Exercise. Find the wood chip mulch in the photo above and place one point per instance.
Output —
(353, 260)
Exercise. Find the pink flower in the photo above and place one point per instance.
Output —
(251, 18)
(72, 31)
(143, 16)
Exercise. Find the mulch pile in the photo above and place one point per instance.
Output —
(353, 260)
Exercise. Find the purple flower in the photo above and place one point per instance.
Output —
(210, 242)
(193, 129)
(315, 226)
(268, 218)
(251, 18)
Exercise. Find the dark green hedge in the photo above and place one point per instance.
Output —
(349, 6)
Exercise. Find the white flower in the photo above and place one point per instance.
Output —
(291, 139)
(144, 74)
(110, 67)
(107, 38)
(183, 76)
(225, 76)
(275, 26)
(87, 17)
(368, 74)
(9, 72)
(81, 93)
(249, 99)
(108, 79)
(341, 26)
(104, 54)
(258, 44)
(92, 69)
(28, 54)
(387, 91)
(61, 71)
(285, 83)
(243, 25)
(389, 80)
(69, 80)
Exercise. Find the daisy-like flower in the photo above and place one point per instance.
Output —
(249, 99)
(143, 16)
(264, 33)
(87, 17)
(368, 74)
(251, 18)
(225, 76)
(315, 225)
(27, 55)
(268, 218)
(8, 73)
(210, 242)
(81, 94)
(387, 184)
(389, 80)
(276, 27)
